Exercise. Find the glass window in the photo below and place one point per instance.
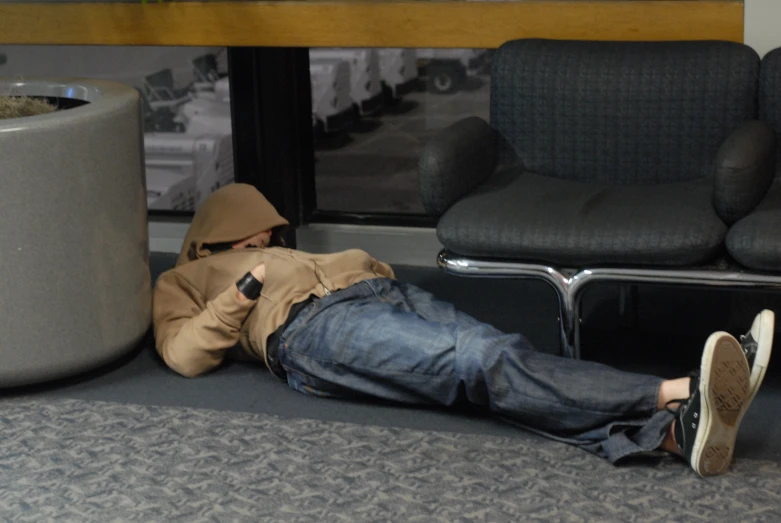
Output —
(186, 109)
(374, 109)
(372, 112)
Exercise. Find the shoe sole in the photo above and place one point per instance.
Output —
(767, 325)
(724, 389)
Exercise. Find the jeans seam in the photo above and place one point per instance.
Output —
(630, 451)
(333, 363)
(374, 291)
(655, 398)
(561, 402)
(405, 372)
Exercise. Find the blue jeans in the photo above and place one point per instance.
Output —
(385, 339)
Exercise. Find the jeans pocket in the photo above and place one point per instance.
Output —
(301, 319)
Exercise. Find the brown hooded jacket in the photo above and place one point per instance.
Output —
(197, 313)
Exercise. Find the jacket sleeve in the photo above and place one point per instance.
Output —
(192, 335)
(383, 269)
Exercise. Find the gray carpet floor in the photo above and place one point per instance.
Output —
(133, 441)
(72, 460)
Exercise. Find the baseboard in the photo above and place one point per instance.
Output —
(167, 235)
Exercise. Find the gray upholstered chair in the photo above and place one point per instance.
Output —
(603, 160)
(755, 241)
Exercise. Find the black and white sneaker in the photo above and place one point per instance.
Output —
(757, 344)
(706, 423)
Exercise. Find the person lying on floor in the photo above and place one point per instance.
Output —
(341, 326)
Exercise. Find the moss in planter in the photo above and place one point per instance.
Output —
(20, 106)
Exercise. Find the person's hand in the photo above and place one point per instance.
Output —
(259, 272)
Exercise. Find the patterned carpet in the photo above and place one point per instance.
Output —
(74, 460)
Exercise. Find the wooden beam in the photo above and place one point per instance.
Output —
(366, 23)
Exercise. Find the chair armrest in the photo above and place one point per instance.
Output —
(454, 162)
(745, 167)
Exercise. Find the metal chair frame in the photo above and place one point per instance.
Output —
(569, 284)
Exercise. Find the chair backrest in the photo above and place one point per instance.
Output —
(620, 112)
(770, 96)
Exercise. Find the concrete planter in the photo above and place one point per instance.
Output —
(75, 288)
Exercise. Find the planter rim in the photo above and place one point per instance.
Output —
(103, 96)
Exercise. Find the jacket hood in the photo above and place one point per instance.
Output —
(230, 214)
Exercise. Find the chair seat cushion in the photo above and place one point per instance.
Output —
(527, 217)
(755, 241)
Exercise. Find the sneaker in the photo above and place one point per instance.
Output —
(757, 344)
(706, 423)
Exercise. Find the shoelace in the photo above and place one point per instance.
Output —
(683, 402)
(749, 346)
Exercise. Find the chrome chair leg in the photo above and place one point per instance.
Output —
(569, 288)
(568, 332)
